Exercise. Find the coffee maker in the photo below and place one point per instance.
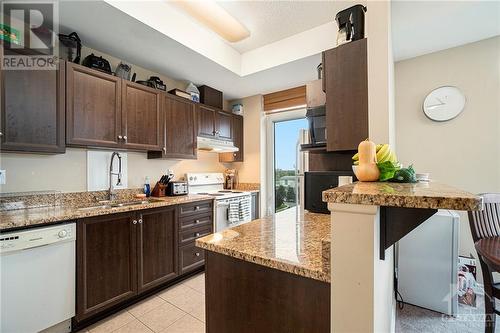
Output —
(351, 22)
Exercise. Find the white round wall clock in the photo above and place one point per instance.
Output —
(444, 103)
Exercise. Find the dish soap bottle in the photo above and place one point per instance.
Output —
(147, 187)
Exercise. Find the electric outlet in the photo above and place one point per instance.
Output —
(3, 177)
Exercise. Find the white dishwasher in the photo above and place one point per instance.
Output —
(37, 279)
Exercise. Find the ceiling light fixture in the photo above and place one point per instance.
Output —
(214, 17)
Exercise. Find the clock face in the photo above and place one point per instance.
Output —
(444, 103)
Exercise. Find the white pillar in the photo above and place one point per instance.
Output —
(362, 292)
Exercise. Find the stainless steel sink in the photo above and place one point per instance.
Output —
(95, 207)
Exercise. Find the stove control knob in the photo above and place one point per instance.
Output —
(63, 233)
(191, 178)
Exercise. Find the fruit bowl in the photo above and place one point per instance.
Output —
(354, 168)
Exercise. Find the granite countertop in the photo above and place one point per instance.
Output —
(21, 218)
(283, 241)
(248, 187)
(419, 195)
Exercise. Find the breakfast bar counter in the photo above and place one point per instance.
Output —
(368, 218)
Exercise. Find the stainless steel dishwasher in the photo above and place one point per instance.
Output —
(37, 279)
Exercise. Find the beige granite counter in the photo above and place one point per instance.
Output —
(419, 195)
(19, 218)
(249, 187)
(283, 241)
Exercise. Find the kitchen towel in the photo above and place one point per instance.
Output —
(233, 212)
(244, 209)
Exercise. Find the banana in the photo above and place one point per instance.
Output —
(355, 157)
(356, 162)
(384, 153)
(377, 147)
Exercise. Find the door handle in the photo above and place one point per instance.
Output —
(134, 222)
(120, 137)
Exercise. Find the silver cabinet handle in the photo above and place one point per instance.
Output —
(234, 154)
(120, 137)
(1, 133)
(134, 222)
(197, 208)
(124, 137)
(196, 221)
(165, 149)
(140, 221)
(197, 254)
(197, 234)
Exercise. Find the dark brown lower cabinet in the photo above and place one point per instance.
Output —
(106, 263)
(156, 247)
(123, 257)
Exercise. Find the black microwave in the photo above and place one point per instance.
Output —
(315, 182)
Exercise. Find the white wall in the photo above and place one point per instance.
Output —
(253, 169)
(465, 151)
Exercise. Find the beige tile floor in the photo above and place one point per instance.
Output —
(178, 309)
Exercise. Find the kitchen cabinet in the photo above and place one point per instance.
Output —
(206, 121)
(106, 263)
(156, 247)
(93, 108)
(346, 85)
(214, 123)
(120, 257)
(141, 116)
(223, 125)
(237, 135)
(103, 110)
(195, 220)
(33, 110)
(179, 129)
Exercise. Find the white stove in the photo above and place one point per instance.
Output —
(231, 208)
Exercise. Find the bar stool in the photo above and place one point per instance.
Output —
(485, 229)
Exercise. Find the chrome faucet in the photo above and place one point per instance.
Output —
(112, 192)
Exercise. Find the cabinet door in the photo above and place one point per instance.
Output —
(93, 110)
(206, 121)
(141, 121)
(237, 129)
(180, 128)
(33, 110)
(346, 79)
(224, 121)
(106, 263)
(157, 247)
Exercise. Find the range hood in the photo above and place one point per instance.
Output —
(216, 145)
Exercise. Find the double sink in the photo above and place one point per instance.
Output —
(116, 204)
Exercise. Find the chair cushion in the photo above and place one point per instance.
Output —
(489, 249)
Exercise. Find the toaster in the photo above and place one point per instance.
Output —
(177, 188)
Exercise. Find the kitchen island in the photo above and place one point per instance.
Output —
(367, 220)
(268, 275)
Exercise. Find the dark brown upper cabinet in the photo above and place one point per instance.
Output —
(346, 86)
(206, 121)
(32, 110)
(214, 123)
(156, 247)
(141, 117)
(93, 108)
(223, 125)
(106, 263)
(179, 129)
(105, 111)
(237, 135)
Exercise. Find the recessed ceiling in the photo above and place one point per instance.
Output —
(422, 27)
(270, 21)
(114, 32)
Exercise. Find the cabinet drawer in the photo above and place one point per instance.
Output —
(190, 235)
(195, 221)
(195, 208)
(191, 257)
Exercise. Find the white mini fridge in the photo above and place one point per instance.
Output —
(428, 262)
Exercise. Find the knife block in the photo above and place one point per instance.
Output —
(159, 190)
